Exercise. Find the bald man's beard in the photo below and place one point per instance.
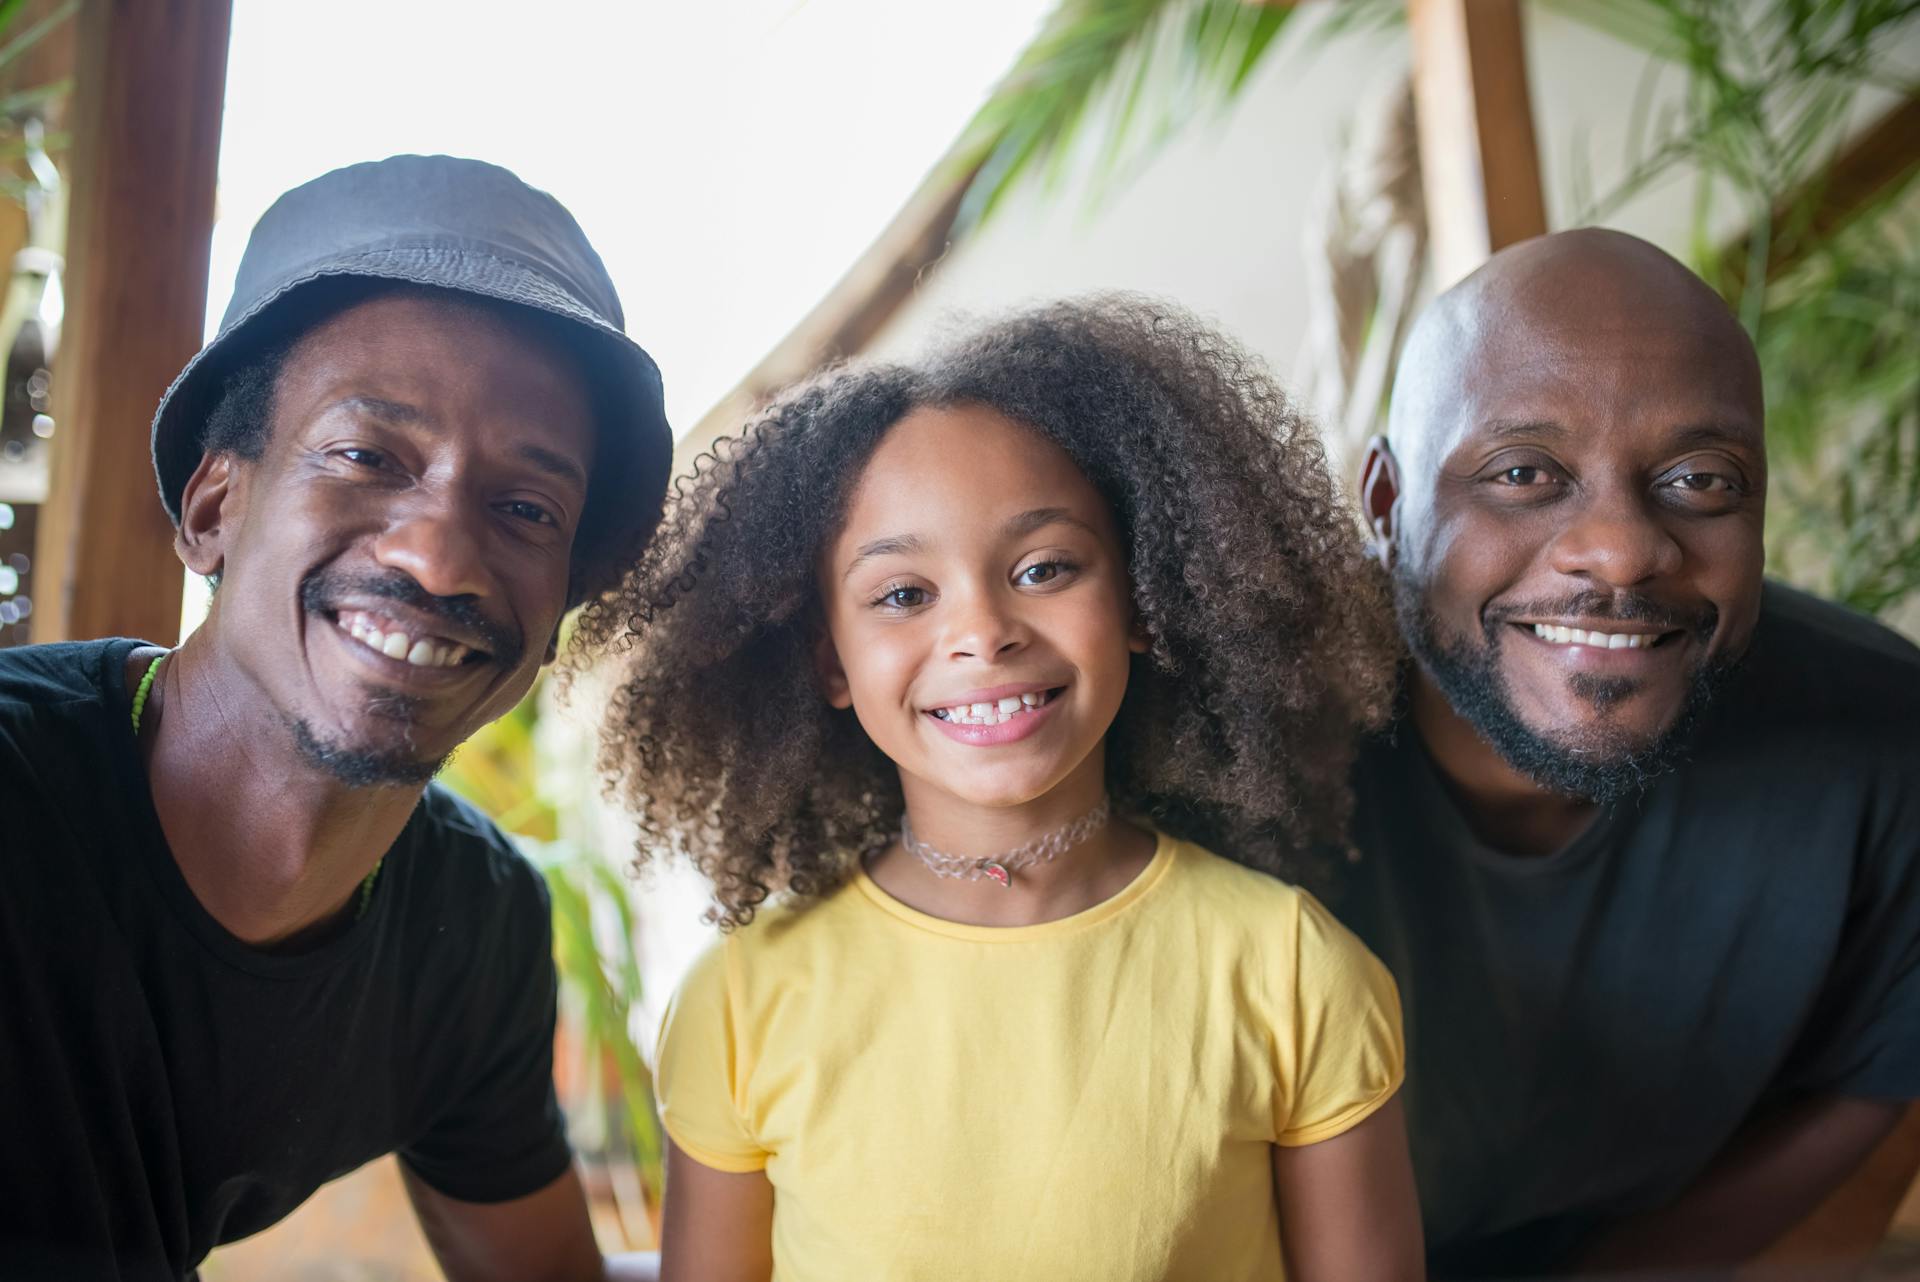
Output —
(1602, 764)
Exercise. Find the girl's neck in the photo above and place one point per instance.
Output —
(1089, 873)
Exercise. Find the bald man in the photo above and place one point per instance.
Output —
(1643, 849)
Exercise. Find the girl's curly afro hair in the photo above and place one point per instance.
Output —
(1272, 642)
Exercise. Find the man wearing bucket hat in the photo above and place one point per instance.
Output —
(244, 946)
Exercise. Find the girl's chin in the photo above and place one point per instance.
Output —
(994, 790)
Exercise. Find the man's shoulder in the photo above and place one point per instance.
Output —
(61, 672)
(1818, 666)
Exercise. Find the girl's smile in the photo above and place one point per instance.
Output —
(1003, 714)
(979, 619)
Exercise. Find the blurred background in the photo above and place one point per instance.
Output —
(775, 184)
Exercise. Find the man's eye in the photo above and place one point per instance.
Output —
(1525, 474)
(530, 512)
(902, 598)
(1704, 483)
(363, 457)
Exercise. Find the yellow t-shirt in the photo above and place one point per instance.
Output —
(1093, 1097)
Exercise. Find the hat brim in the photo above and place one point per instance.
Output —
(635, 453)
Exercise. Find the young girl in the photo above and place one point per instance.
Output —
(1019, 676)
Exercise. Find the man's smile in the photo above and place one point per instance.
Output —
(395, 639)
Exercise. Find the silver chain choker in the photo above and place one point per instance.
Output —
(1000, 868)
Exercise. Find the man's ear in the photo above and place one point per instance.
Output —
(1380, 498)
(210, 510)
(833, 677)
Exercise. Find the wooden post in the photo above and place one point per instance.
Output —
(1479, 164)
(149, 86)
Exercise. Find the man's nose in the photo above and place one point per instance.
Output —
(982, 625)
(437, 544)
(1617, 540)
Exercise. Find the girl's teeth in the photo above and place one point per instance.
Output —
(991, 714)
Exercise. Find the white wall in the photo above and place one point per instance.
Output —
(1217, 220)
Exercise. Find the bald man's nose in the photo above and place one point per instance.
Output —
(1616, 541)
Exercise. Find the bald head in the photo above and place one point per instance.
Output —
(1578, 292)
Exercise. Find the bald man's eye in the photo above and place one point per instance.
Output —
(1524, 475)
(1704, 483)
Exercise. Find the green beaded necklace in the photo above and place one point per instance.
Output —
(365, 893)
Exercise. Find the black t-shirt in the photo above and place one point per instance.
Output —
(1586, 1029)
(164, 1087)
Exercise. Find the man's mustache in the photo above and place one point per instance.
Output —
(1620, 607)
(322, 589)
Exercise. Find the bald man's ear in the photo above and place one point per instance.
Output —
(210, 506)
(1380, 498)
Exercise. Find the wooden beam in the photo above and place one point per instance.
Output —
(1872, 164)
(1479, 164)
(149, 87)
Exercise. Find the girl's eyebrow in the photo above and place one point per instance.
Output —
(892, 545)
(1038, 518)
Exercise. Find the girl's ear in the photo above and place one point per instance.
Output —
(1139, 640)
(833, 677)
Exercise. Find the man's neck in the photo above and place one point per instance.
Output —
(271, 846)
(1503, 807)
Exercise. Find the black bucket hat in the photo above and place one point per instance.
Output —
(454, 224)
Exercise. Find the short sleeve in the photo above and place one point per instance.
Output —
(502, 1134)
(1863, 1037)
(699, 1067)
(1343, 1056)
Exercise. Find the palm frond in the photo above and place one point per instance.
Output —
(1140, 68)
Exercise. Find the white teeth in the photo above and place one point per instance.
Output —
(1596, 639)
(398, 645)
(991, 714)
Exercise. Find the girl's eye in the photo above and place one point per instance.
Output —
(1042, 572)
(1037, 573)
(529, 512)
(902, 598)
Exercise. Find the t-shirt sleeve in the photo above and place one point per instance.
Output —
(502, 1135)
(700, 1065)
(1341, 1056)
(1863, 1038)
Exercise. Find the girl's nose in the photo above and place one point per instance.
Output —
(983, 628)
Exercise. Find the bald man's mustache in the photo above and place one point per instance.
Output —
(1617, 607)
